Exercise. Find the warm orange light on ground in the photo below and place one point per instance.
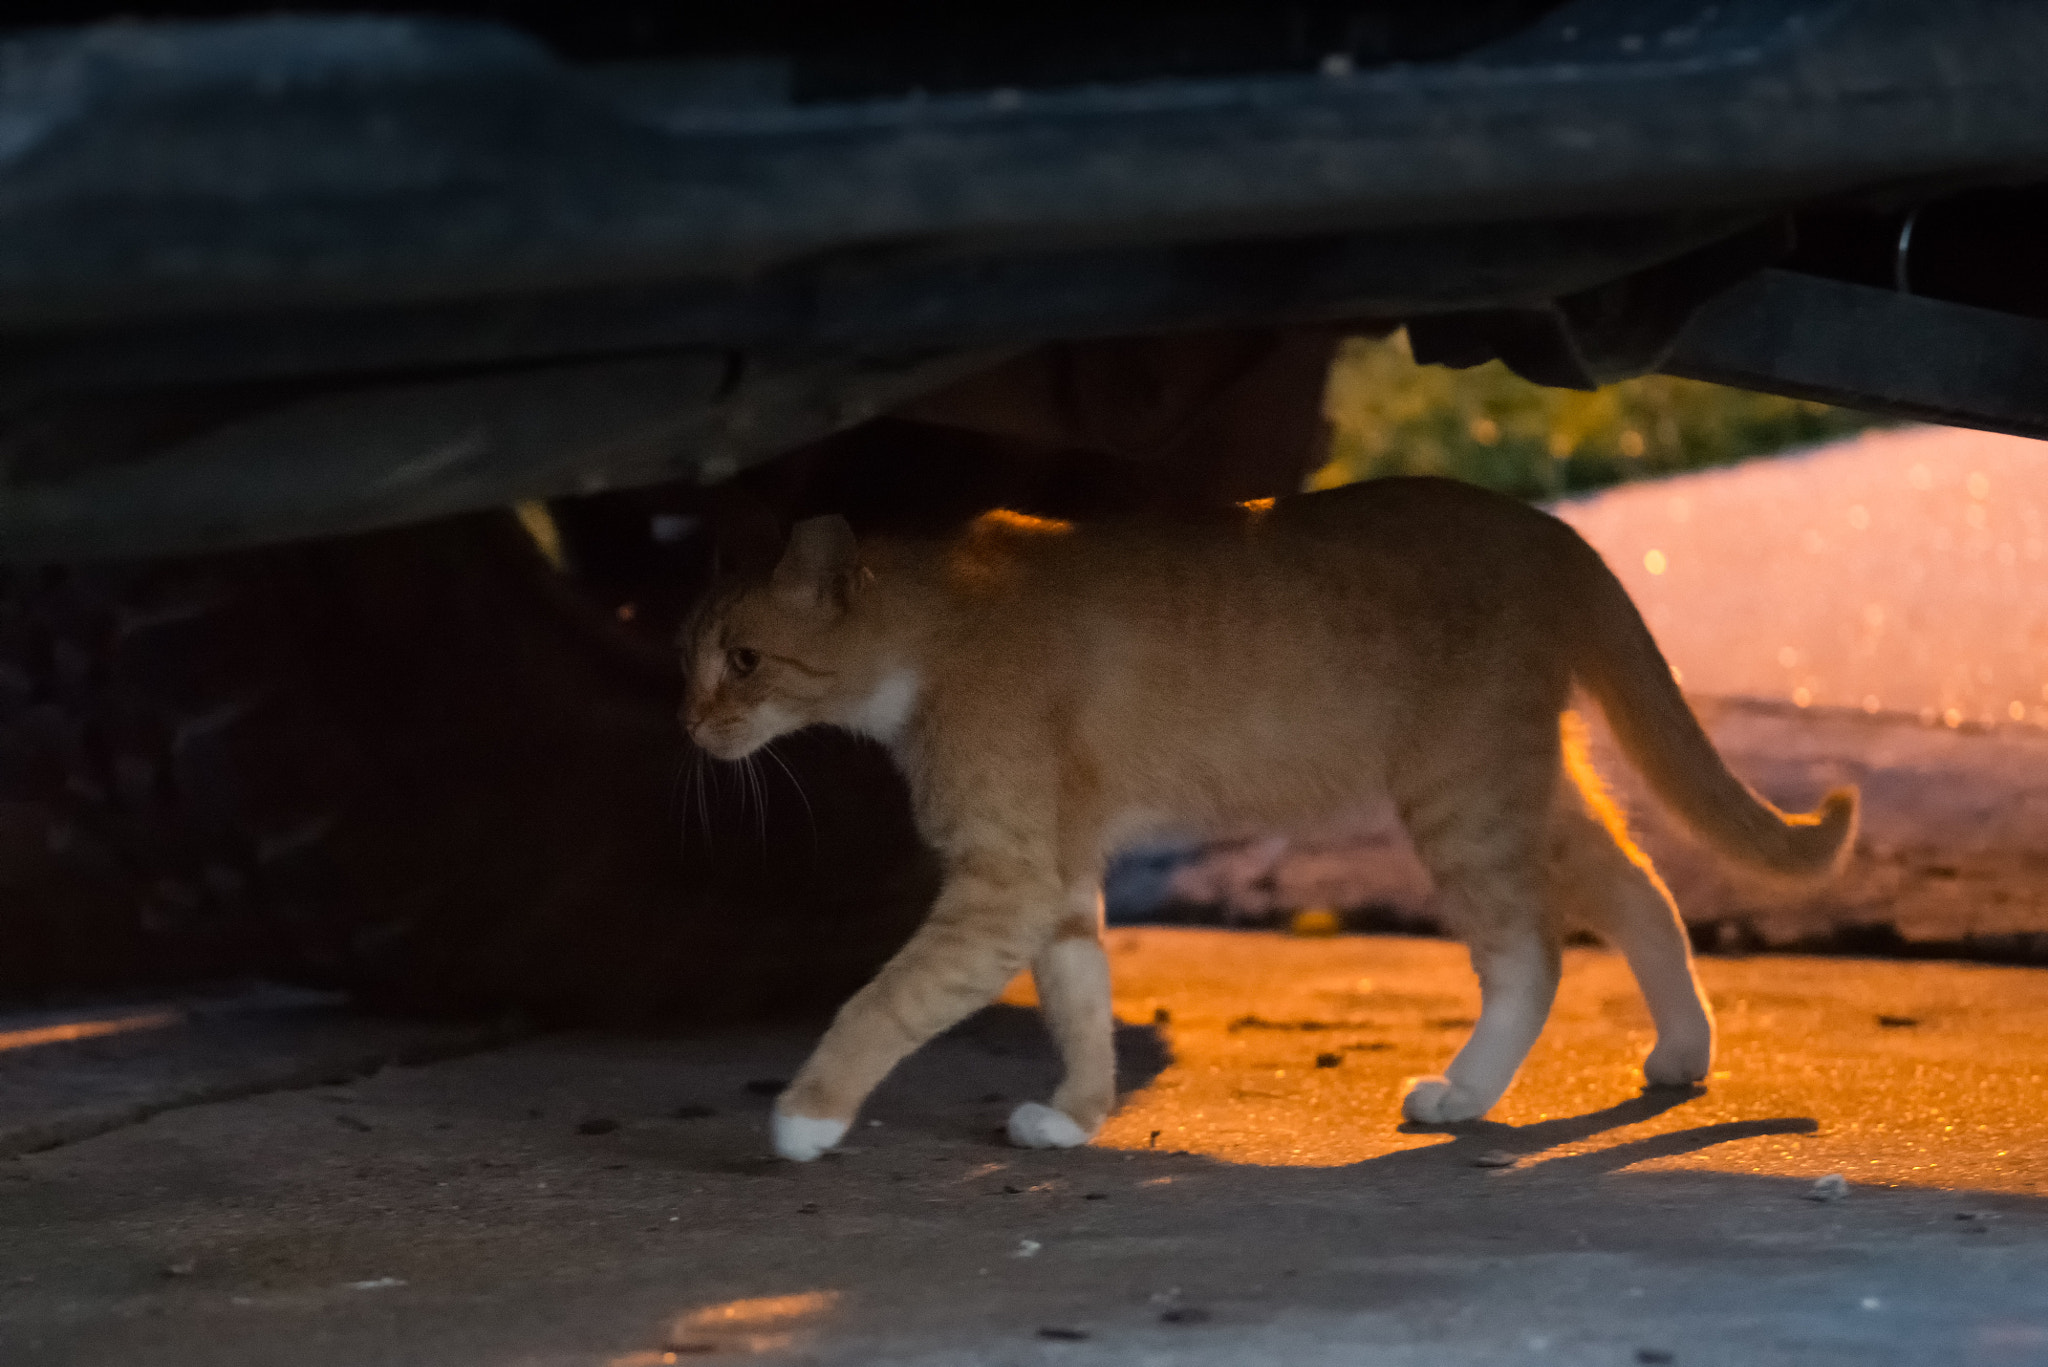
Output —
(755, 1324)
(1025, 522)
(761, 1310)
(89, 1029)
(1934, 1076)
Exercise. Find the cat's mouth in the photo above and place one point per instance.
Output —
(731, 737)
(723, 742)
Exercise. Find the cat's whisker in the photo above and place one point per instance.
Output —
(760, 792)
(743, 789)
(742, 796)
(676, 794)
(679, 798)
(810, 812)
(701, 781)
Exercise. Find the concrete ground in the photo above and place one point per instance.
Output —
(582, 1199)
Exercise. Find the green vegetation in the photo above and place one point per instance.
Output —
(1486, 426)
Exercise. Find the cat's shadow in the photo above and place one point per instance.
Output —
(1018, 1032)
(1004, 1054)
(1488, 1143)
(997, 1057)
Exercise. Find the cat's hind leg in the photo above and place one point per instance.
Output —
(1486, 858)
(1600, 878)
(1072, 975)
(1518, 969)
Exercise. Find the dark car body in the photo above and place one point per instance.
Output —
(265, 276)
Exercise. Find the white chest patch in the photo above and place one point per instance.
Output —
(886, 710)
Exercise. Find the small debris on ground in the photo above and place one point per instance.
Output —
(185, 1267)
(1654, 1355)
(1897, 1022)
(693, 1111)
(767, 1086)
(1261, 1023)
(1185, 1314)
(1104, 1196)
(1328, 1060)
(1062, 1334)
(598, 1124)
(377, 1284)
(1162, 1016)
(1027, 1248)
(808, 1208)
(1496, 1158)
(1833, 1187)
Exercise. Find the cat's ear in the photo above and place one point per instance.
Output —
(821, 566)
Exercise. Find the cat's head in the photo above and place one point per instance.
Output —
(769, 654)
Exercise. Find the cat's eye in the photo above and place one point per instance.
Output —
(742, 661)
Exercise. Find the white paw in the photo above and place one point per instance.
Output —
(1035, 1126)
(802, 1138)
(1439, 1101)
(1678, 1063)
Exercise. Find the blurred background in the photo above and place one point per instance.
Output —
(1489, 426)
(1845, 598)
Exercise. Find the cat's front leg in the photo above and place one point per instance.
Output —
(991, 918)
(1072, 975)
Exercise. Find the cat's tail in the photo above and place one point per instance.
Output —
(1618, 662)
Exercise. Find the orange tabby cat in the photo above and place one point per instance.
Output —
(1054, 691)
